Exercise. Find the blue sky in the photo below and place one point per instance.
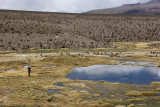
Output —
(72, 6)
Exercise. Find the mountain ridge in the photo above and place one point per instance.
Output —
(150, 8)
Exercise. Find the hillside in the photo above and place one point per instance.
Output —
(150, 8)
(23, 30)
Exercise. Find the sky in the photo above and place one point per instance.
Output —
(69, 6)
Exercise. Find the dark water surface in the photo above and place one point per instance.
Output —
(52, 91)
(59, 84)
(139, 75)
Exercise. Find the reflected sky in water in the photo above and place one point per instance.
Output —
(117, 73)
(151, 64)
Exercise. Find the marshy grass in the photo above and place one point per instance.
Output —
(134, 93)
(158, 64)
(17, 89)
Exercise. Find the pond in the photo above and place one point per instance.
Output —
(134, 62)
(11, 70)
(52, 91)
(59, 84)
(139, 75)
(141, 63)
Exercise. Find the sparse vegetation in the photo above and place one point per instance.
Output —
(55, 30)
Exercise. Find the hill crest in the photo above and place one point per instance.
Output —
(150, 8)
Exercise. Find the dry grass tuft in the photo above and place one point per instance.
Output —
(134, 93)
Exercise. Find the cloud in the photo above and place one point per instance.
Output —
(74, 6)
(116, 70)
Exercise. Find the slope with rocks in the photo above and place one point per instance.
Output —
(23, 30)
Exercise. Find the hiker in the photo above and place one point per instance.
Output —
(29, 70)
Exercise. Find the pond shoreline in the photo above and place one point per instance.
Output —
(58, 65)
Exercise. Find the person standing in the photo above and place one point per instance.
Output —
(29, 70)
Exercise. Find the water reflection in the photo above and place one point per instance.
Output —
(59, 84)
(150, 64)
(11, 70)
(51, 91)
(117, 73)
(134, 62)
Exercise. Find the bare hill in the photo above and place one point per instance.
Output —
(23, 30)
(150, 8)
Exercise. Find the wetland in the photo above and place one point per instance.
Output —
(83, 77)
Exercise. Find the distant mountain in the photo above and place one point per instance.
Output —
(150, 8)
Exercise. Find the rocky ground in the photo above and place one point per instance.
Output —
(21, 30)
